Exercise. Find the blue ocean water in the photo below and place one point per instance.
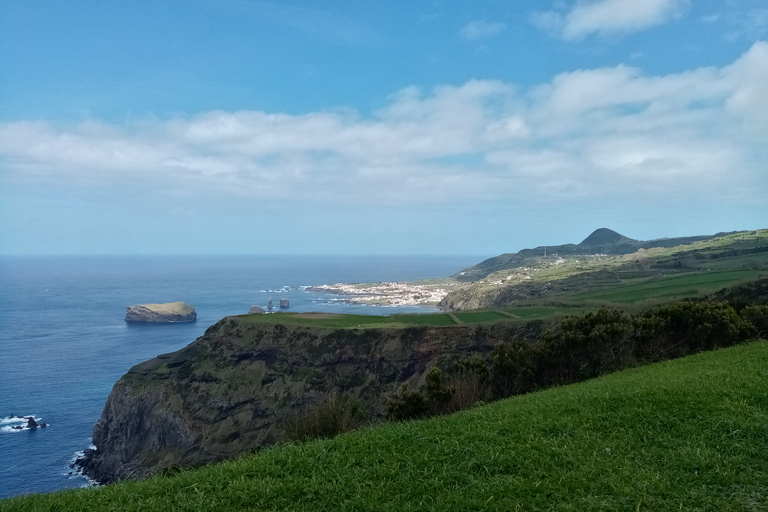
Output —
(64, 343)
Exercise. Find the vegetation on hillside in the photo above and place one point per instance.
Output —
(583, 347)
(653, 274)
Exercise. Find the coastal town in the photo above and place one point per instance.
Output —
(389, 293)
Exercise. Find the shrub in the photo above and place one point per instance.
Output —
(468, 388)
(407, 404)
(433, 399)
(582, 347)
(512, 370)
(327, 418)
(758, 317)
(673, 330)
(438, 395)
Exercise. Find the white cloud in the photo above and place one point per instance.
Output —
(710, 18)
(480, 29)
(609, 17)
(588, 133)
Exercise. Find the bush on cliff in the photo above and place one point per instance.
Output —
(579, 348)
(326, 418)
(432, 400)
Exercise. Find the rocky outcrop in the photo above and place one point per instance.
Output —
(161, 313)
(256, 310)
(230, 391)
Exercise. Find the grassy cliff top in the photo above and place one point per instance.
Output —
(689, 434)
(168, 308)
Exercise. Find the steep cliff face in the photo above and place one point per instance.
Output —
(230, 391)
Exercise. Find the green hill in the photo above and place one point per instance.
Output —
(601, 241)
(689, 434)
(608, 268)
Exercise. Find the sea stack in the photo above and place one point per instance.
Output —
(161, 313)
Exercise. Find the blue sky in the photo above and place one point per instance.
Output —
(418, 127)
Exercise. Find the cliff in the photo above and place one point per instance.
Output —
(161, 313)
(231, 390)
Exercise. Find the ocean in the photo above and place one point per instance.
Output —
(64, 343)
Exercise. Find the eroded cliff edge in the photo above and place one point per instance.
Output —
(229, 392)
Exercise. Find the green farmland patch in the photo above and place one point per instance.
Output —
(479, 316)
(669, 287)
(332, 321)
(533, 312)
(336, 321)
(434, 319)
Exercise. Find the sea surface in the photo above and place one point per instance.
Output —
(64, 343)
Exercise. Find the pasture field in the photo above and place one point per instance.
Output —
(479, 316)
(669, 287)
(533, 312)
(336, 321)
(333, 321)
(689, 434)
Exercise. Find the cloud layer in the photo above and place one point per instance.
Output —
(481, 29)
(585, 134)
(609, 17)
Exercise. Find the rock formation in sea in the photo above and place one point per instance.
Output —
(161, 313)
(256, 310)
(231, 391)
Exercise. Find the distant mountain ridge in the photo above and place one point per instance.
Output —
(600, 241)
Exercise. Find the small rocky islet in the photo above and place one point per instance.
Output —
(31, 423)
(169, 312)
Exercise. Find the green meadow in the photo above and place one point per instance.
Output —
(689, 434)
(339, 321)
(669, 287)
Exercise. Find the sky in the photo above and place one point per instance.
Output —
(398, 127)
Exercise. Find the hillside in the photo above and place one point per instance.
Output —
(689, 434)
(608, 267)
(601, 241)
(597, 270)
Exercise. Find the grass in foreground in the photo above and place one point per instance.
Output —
(690, 434)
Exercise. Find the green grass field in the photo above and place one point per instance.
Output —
(533, 312)
(337, 321)
(669, 287)
(690, 434)
(480, 316)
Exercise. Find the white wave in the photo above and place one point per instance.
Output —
(75, 471)
(6, 421)
(12, 424)
(12, 429)
(17, 419)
